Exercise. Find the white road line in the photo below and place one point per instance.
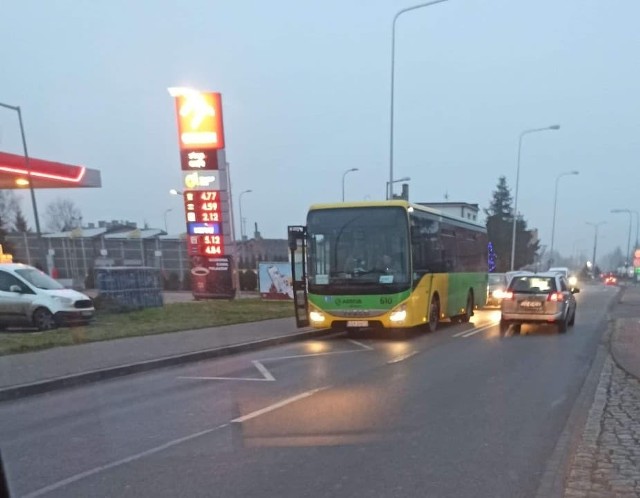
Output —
(403, 357)
(481, 329)
(263, 370)
(358, 343)
(277, 405)
(118, 463)
(267, 376)
(462, 333)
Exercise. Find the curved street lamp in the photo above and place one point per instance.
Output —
(27, 165)
(343, 176)
(555, 205)
(403, 179)
(393, 64)
(515, 209)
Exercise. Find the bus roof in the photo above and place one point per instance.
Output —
(396, 203)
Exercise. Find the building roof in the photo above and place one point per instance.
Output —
(86, 233)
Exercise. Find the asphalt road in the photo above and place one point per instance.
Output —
(456, 413)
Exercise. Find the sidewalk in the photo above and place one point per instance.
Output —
(607, 461)
(107, 359)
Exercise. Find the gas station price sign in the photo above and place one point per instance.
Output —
(206, 245)
(203, 206)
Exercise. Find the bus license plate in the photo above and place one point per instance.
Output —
(357, 323)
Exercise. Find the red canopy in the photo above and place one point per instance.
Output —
(44, 174)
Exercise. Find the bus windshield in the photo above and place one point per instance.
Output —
(364, 248)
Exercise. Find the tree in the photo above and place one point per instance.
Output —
(500, 229)
(20, 222)
(62, 215)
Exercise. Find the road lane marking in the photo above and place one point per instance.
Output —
(267, 376)
(463, 332)
(403, 357)
(118, 463)
(277, 405)
(481, 329)
(358, 343)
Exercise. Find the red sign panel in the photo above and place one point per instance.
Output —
(200, 121)
(198, 160)
(206, 245)
(203, 206)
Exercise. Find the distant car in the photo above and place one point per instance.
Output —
(610, 279)
(538, 298)
(29, 297)
(496, 287)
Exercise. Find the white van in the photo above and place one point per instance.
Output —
(29, 297)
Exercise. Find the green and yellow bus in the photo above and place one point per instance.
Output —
(393, 265)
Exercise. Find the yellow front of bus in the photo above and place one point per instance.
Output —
(359, 267)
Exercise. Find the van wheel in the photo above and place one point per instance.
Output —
(573, 319)
(468, 311)
(434, 314)
(43, 319)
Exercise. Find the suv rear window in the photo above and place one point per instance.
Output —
(533, 285)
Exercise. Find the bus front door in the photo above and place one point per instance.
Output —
(298, 252)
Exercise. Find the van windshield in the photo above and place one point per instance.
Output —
(39, 279)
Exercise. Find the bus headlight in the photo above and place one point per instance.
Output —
(399, 314)
(316, 316)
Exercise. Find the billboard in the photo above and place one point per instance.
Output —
(274, 280)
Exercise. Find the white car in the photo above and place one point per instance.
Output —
(29, 297)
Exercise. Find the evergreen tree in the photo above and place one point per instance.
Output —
(500, 230)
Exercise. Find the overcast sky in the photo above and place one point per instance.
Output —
(305, 87)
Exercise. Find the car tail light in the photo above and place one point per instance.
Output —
(507, 296)
(555, 297)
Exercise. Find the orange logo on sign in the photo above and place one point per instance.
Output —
(200, 120)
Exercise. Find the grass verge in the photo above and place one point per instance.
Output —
(170, 318)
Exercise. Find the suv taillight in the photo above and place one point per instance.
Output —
(555, 297)
(507, 296)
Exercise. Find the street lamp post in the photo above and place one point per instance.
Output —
(403, 179)
(343, 176)
(27, 164)
(393, 64)
(555, 205)
(630, 213)
(166, 211)
(595, 240)
(242, 236)
(515, 210)
(637, 223)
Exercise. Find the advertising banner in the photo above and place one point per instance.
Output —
(274, 280)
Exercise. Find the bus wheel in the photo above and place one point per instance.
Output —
(468, 311)
(434, 314)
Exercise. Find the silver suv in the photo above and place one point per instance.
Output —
(538, 298)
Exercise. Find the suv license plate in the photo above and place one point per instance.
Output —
(357, 323)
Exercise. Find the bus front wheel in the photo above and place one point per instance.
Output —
(434, 314)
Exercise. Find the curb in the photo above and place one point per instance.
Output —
(612, 339)
(40, 387)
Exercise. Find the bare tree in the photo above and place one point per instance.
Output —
(9, 205)
(20, 222)
(62, 214)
